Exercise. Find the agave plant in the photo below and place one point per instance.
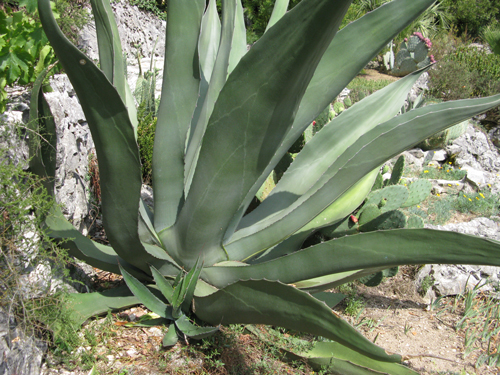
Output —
(226, 118)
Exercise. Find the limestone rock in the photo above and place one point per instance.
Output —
(475, 154)
(139, 31)
(20, 354)
(74, 148)
(454, 279)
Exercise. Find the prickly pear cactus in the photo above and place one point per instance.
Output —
(412, 55)
(397, 171)
(347, 102)
(338, 107)
(388, 198)
(376, 278)
(444, 138)
(418, 191)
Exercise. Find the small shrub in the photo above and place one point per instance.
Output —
(24, 246)
(478, 203)
(361, 87)
(471, 16)
(445, 172)
(156, 7)
(145, 139)
(465, 73)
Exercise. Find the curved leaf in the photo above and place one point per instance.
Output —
(370, 150)
(42, 141)
(145, 296)
(273, 303)
(111, 58)
(86, 305)
(194, 331)
(383, 249)
(338, 66)
(181, 80)
(252, 114)
(114, 139)
(279, 10)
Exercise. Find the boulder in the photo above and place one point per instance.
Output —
(74, 151)
(20, 352)
(473, 152)
(456, 279)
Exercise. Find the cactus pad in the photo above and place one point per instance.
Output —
(369, 213)
(376, 278)
(419, 190)
(397, 171)
(379, 182)
(343, 228)
(388, 220)
(394, 196)
(415, 222)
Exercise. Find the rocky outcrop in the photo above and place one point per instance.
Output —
(20, 353)
(74, 151)
(474, 153)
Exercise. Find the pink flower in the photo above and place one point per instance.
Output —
(406, 39)
(418, 34)
(314, 123)
(433, 60)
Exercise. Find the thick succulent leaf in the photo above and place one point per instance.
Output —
(330, 299)
(147, 231)
(146, 297)
(111, 58)
(252, 114)
(163, 285)
(370, 150)
(342, 360)
(170, 338)
(86, 305)
(338, 210)
(316, 159)
(208, 44)
(114, 139)
(239, 42)
(263, 302)
(42, 140)
(208, 48)
(181, 80)
(93, 253)
(279, 9)
(352, 48)
(217, 81)
(382, 249)
(194, 331)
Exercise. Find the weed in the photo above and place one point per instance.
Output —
(445, 172)
(25, 250)
(480, 323)
(427, 282)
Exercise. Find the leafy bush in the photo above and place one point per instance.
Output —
(157, 7)
(257, 14)
(145, 139)
(25, 246)
(73, 16)
(24, 50)
(470, 17)
(464, 73)
(361, 87)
